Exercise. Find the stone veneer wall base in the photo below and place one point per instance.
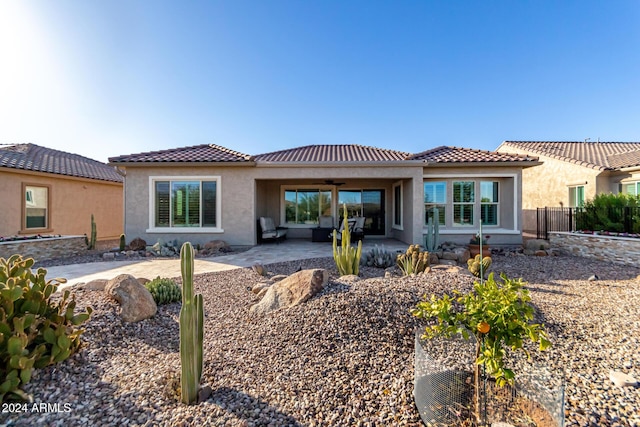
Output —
(619, 250)
(44, 249)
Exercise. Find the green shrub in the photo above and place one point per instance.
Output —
(164, 291)
(610, 212)
(34, 331)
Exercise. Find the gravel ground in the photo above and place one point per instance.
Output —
(345, 358)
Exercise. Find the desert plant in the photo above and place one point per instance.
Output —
(347, 259)
(479, 266)
(123, 243)
(191, 330)
(164, 291)
(432, 238)
(414, 260)
(34, 331)
(378, 257)
(94, 233)
(610, 212)
(498, 315)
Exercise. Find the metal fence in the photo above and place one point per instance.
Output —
(614, 219)
(444, 389)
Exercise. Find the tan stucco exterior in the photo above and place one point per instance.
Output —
(71, 203)
(547, 185)
(249, 191)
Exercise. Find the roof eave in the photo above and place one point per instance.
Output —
(388, 163)
(523, 164)
(181, 164)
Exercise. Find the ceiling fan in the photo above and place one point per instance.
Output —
(329, 182)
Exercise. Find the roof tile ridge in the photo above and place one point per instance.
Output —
(245, 156)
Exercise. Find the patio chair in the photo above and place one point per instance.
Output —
(267, 230)
(356, 228)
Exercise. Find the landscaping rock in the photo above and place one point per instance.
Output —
(96, 285)
(137, 244)
(295, 289)
(536, 245)
(450, 256)
(259, 269)
(215, 245)
(540, 253)
(278, 277)
(621, 379)
(593, 278)
(143, 281)
(108, 256)
(136, 302)
(433, 258)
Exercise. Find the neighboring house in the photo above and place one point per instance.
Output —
(45, 191)
(573, 172)
(207, 192)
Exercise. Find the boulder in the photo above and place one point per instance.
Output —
(540, 252)
(136, 303)
(137, 244)
(259, 269)
(536, 245)
(215, 245)
(108, 255)
(143, 281)
(278, 277)
(620, 379)
(96, 285)
(295, 289)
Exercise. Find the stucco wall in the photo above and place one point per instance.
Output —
(508, 231)
(548, 184)
(249, 192)
(237, 203)
(71, 203)
(618, 250)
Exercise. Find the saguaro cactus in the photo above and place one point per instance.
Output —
(191, 331)
(92, 240)
(432, 238)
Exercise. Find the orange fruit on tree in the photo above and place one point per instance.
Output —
(483, 327)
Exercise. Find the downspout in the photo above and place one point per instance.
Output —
(123, 174)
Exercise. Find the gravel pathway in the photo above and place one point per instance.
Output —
(345, 358)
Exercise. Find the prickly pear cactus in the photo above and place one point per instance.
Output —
(34, 331)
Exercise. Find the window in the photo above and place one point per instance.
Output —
(631, 188)
(306, 206)
(489, 206)
(186, 203)
(463, 202)
(576, 196)
(435, 196)
(36, 207)
(397, 205)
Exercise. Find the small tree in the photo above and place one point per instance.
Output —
(499, 316)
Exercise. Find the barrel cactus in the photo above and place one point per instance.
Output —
(479, 266)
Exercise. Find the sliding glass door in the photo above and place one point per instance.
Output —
(367, 203)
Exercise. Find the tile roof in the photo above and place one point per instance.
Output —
(333, 153)
(595, 155)
(197, 153)
(444, 154)
(35, 158)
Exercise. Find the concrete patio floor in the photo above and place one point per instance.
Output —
(288, 250)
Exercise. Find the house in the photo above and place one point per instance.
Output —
(46, 191)
(573, 172)
(206, 192)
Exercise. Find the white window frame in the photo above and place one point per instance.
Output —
(574, 188)
(398, 226)
(635, 184)
(185, 230)
(283, 208)
(516, 230)
(497, 204)
(473, 203)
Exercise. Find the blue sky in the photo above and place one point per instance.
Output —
(104, 78)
